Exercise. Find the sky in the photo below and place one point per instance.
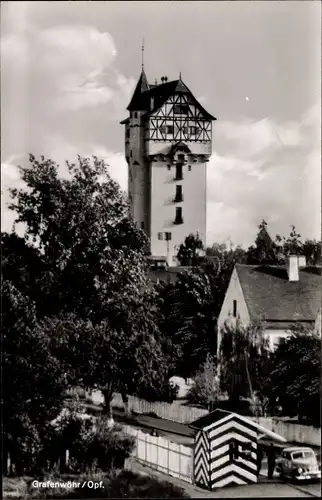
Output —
(68, 70)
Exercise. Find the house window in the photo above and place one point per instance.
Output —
(169, 129)
(135, 115)
(168, 236)
(179, 175)
(180, 109)
(235, 308)
(178, 193)
(178, 219)
(160, 236)
(142, 225)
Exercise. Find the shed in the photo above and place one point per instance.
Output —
(225, 449)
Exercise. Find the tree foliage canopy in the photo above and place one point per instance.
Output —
(92, 253)
(297, 363)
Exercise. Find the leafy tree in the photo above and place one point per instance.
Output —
(205, 389)
(98, 356)
(190, 252)
(188, 322)
(92, 252)
(312, 251)
(244, 355)
(297, 362)
(34, 379)
(264, 251)
(93, 267)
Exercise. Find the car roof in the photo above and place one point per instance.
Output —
(297, 448)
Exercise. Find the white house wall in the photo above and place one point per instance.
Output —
(234, 292)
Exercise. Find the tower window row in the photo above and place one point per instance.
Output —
(169, 130)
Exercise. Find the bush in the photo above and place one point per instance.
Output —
(109, 447)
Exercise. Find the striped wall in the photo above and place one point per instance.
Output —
(201, 460)
(226, 453)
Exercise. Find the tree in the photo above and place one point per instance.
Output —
(205, 389)
(244, 355)
(190, 251)
(99, 356)
(93, 267)
(92, 252)
(312, 251)
(265, 251)
(188, 321)
(34, 379)
(297, 362)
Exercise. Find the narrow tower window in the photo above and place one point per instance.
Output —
(235, 308)
(131, 153)
(160, 236)
(178, 219)
(178, 193)
(142, 225)
(179, 175)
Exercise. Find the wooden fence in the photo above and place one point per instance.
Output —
(293, 432)
(163, 455)
(175, 411)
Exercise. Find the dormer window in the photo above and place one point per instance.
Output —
(180, 109)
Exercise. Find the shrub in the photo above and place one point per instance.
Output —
(109, 447)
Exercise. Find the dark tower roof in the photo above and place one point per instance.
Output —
(141, 99)
(141, 87)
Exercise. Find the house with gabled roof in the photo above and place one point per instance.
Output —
(282, 297)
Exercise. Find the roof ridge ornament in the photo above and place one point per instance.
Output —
(142, 63)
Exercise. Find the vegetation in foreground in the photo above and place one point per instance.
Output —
(114, 484)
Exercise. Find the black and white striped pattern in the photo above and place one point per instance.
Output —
(214, 465)
(201, 460)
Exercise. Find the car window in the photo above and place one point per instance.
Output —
(302, 454)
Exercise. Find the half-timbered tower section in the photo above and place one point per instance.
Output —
(168, 142)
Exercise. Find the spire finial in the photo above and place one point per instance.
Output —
(180, 75)
(142, 54)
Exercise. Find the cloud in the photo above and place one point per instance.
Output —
(265, 169)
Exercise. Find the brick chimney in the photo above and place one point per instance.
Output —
(293, 268)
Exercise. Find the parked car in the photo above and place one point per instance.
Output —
(298, 463)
